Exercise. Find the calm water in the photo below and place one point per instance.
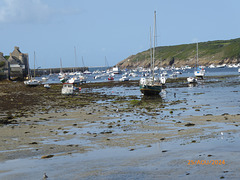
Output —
(185, 73)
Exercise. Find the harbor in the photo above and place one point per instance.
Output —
(110, 129)
(115, 90)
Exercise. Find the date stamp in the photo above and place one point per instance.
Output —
(206, 162)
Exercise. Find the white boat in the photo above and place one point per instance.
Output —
(133, 74)
(32, 81)
(97, 77)
(67, 89)
(239, 70)
(211, 66)
(116, 70)
(165, 73)
(87, 72)
(163, 79)
(74, 80)
(191, 80)
(47, 86)
(124, 78)
(221, 66)
(199, 72)
(44, 78)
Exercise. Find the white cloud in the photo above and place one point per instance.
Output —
(23, 11)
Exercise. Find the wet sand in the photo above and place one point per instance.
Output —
(118, 140)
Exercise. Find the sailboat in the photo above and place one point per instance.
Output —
(151, 85)
(32, 81)
(199, 72)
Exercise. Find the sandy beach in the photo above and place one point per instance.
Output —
(94, 136)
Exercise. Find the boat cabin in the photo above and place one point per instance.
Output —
(67, 89)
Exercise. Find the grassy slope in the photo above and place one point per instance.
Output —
(209, 52)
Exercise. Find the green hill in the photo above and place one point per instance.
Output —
(211, 52)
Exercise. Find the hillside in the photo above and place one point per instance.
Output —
(211, 52)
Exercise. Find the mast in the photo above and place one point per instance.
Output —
(83, 64)
(154, 36)
(61, 66)
(197, 54)
(75, 64)
(34, 65)
(28, 68)
(151, 54)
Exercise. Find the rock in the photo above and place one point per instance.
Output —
(47, 156)
(33, 143)
(189, 124)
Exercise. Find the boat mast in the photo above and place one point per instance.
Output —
(151, 54)
(34, 65)
(61, 66)
(197, 54)
(83, 64)
(75, 64)
(154, 36)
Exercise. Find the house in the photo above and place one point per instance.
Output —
(18, 64)
(4, 67)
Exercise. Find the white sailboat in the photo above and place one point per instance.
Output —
(199, 72)
(32, 81)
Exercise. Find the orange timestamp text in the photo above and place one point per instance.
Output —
(206, 162)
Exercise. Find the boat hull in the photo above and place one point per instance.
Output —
(150, 90)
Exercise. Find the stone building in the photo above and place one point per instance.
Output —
(4, 67)
(18, 64)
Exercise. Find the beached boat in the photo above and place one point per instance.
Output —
(67, 89)
(32, 81)
(199, 72)
(47, 86)
(151, 85)
(191, 80)
(74, 80)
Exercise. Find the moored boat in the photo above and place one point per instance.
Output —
(124, 78)
(110, 78)
(151, 85)
(200, 71)
(191, 80)
(32, 82)
(67, 89)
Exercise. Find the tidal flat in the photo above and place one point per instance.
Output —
(110, 131)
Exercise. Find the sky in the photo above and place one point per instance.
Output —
(114, 29)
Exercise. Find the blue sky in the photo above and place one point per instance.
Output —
(112, 28)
